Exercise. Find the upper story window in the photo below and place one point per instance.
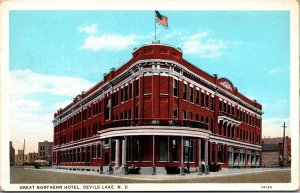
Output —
(130, 91)
(207, 100)
(191, 94)
(136, 112)
(175, 87)
(137, 88)
(184, 92)
(191, 116)
(122, 94)
(232, 110)
(202, 99)
(175, 113)
(212, 106)
(225, 105)
(184, 114)
(126, 93)
(197, 97)
(220, 106)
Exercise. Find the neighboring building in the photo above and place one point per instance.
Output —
(19, 158)
(28, 158)
(272, 152)
(32, 157)
(20, 152)
(11, 154)
(45, 151)
(157, 111)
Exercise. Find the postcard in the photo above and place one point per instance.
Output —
(149, 95)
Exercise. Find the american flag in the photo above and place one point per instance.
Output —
(161, 19)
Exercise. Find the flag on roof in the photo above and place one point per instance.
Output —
(161, 19)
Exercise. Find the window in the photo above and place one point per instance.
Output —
(117, 98)
(197, 97)
(93, 151)
(212, 107)
(74, 155)
(207, 101)
(212, 126)
(191, 95)
(107, 108)
(175, 87)
(136, 112)
(82, 154)
(197, 117)
(184, 92)
(175, 149)
(122, 94)
(175, 114)
(99, 153)
(126, 93)
(125, 115)
(188, 150)
(135, 149)
(221, 153)
(130, 91)
(202, 99)
(184, 114)
(220, 106)
(191, 116)
(163, 149)
(88, 155)
(232, 110)
(78, 155)
(137, 88)
(225, 107)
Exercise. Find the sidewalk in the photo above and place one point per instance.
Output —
(223, 172)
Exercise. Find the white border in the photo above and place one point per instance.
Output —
(288, 5)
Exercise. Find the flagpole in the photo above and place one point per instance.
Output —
(155, 27)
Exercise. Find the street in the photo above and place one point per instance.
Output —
(21, 175)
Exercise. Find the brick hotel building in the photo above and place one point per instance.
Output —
(156, 111)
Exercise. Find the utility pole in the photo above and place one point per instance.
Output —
(284, 126)
(23, 154)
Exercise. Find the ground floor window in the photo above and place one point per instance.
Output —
(163, 149)
(99, 151)
(113, 150)
(71, 155)
(188, 150)
(221, 153)
(174, 144)
(135, 149)
(128, 148)
(93, 151)
(82, 154)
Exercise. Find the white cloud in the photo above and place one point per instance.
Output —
(273, 127)
(26, 82)
(200, 44)
(29, 112)
(25, 105)
(109, 42)
(89, 29)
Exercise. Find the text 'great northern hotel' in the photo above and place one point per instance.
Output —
(157, 111)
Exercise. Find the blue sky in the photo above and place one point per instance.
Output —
(54, 55)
